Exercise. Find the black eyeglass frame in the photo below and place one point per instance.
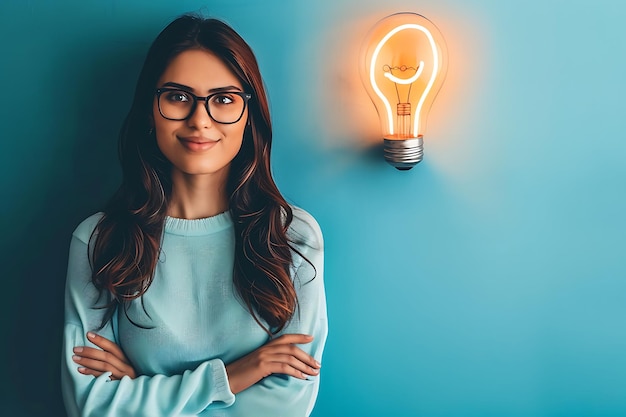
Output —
(245, 96)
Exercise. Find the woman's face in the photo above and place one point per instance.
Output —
(198, 145)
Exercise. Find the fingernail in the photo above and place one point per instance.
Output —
(82, 370)
(316, 371)
(78, 349)
(76, 358)
(91, 335)
(319, 365)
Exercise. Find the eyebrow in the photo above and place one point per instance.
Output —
(212, 90)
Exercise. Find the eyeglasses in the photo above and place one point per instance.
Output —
(225, 107)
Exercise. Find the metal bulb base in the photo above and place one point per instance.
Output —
(404, 154)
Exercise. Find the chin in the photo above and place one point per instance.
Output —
(202, 170)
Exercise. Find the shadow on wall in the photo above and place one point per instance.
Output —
(76, 186)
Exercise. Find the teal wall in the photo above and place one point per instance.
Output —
(490, 280)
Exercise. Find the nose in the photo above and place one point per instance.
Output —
(200, 118)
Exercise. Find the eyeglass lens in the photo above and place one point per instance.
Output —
(223, 107)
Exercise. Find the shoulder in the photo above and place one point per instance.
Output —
(305, 230)
(85, 229)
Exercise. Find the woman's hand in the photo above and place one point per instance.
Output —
(96, 362)
(279, 356)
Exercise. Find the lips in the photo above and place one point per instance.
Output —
(197, 144)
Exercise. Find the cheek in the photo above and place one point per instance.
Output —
(157, 120)
(163, 129)
(236, 138)
(238, 130)
(161, 136)
(234, 133)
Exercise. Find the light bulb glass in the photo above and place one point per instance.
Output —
(403, 65)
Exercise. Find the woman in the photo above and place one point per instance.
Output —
(198, 290)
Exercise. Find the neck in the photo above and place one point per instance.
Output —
(198, 196)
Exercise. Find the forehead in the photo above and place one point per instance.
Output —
(199, 69)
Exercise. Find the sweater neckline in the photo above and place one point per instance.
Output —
(198, 227)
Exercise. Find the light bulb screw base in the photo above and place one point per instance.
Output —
(404, 154)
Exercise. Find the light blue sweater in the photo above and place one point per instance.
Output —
(197, 325)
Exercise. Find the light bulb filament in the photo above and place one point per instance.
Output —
(403, 107)
(429, 85)
(393, 78)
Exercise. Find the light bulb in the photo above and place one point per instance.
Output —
(403, 65)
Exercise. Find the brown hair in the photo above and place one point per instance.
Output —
(127, 243)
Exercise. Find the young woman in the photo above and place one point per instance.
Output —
(198, 290)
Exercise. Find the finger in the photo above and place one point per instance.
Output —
(94, 364)
(292, 338)
(87, 371)
(118, 369)
(297, 364)
(285, 368)
(107, 345)
(292, 350)
(100, 356)
(97, 368)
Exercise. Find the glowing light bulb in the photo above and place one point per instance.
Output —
(403, 65)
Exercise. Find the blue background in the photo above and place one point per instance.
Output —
(490, 280)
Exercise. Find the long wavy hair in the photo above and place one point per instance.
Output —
(126, 245)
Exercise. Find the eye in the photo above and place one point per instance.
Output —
(223, 99)
(178, 96)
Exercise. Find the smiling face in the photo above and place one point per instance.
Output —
(198, 145)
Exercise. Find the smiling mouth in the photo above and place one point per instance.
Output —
(197, 144)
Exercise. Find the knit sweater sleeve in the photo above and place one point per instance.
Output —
(281, 395)
(191, 393)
